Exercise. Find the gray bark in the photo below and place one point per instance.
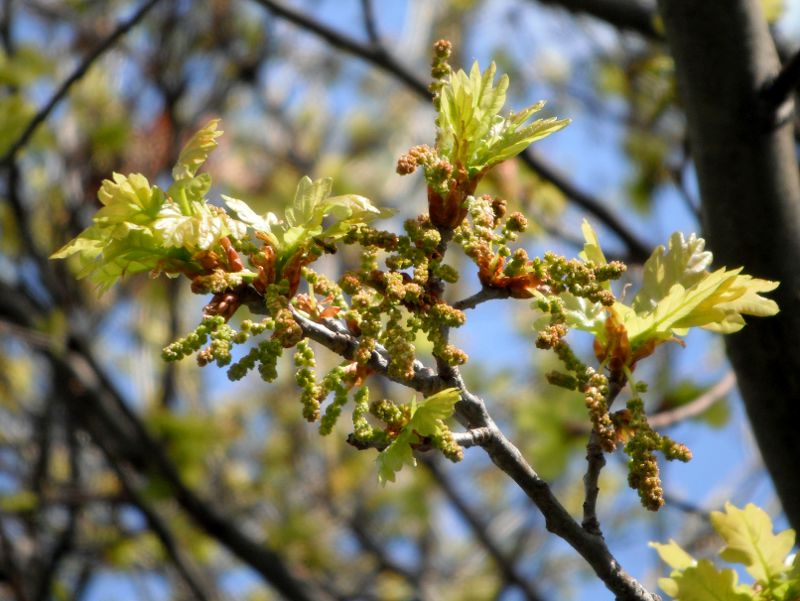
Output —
(748, 176)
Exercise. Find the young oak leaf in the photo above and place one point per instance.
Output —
(471, 132)
(427, 419)
(121, 239)
(139, 228)
(204, 227)
(195, 152)
(260, 223)
(685, 263)
(749, 540)
(678, 293)
(703, 582)
(673, 555)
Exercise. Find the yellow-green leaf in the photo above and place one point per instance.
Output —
(749, 540)
(673, 555)
(196, 151)
(430, 414)
(591, 248)
(427, 419)
(704, 582)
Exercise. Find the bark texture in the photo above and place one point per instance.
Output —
(747, 169)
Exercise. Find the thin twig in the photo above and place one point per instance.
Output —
(157, 526)
(638, 250)
(481, 531)
(62, 91)
(595, 462)
(665, 419)
(485, 294)
(787, 81)
(370, 25)
(476, 437)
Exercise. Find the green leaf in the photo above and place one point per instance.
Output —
(260, 223)
(673, 555)
(704, 582)
(200, 230)
(470, 130)
(685, 263)
(19, 501)
(348, 210)
(392, 459)
(308, 196)
(27, 64)
(678, 293)
(427, 419)
(591, 248)
(196, 151)
(749, 540)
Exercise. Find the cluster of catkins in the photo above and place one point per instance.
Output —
(629, 425)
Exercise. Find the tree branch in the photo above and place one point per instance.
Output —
(595, 462)
(84, 66)
(472, 412)
(481, 531)
(182, 564)
(104, 414)
(485, 294)
(627, 15)
(337, 339)
(637, 250)
(779, 90)
(665, 419)
(368, 11)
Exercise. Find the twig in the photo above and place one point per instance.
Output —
(485, 294)
(370, 25)
(631, 15)
(481, 531)
(73, 78)
(386, 62)
(341, 342)
(638, 250)
(172, 548)
(476, 437)
(778, 91)
(665, 419)
(595, 462)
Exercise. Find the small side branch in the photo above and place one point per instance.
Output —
(345, 344)
(596, 461)
(780, 89)
(485, 294)
(476, 437)
(73, 78)
(665, 419)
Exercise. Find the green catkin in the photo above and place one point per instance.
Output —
(333, 382)
(269, 351)
(306, 379)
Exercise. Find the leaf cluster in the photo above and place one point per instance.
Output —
(471, 132)
(750, 542)
(426, 420)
